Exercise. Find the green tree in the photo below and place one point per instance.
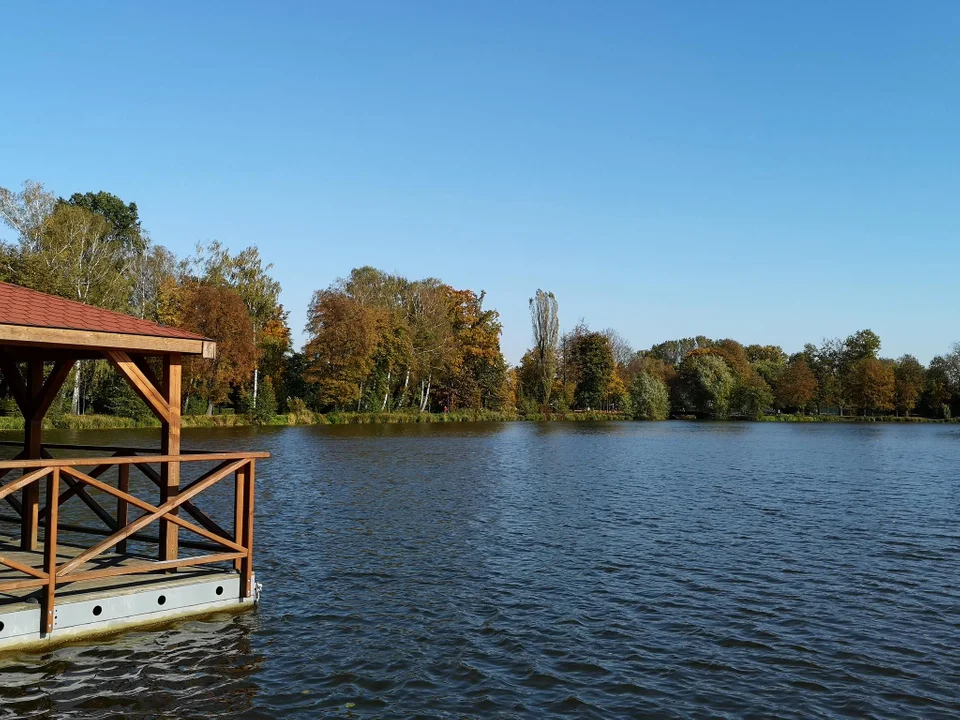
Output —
(706, 384)
(545, 320)
(650, 397)
(909, 378)
(593, 358)
(123, 217)
(751, 396)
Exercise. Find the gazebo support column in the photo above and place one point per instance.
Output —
(32, 445)
(170, 445)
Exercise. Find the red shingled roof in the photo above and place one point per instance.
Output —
(20, 306)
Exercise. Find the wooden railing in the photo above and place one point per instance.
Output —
(72, 477)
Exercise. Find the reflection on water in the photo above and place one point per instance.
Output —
(537, 570)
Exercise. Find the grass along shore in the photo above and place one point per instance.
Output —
(113, 422)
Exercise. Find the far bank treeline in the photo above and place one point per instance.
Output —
(380, 343)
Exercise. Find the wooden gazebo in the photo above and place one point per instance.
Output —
(41, 338)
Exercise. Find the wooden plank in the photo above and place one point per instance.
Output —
(148, 460)
(246, 564)
(50, 550)
(23, 481)
(20, 567)
(60, 338)
(147, 567)
(138, 381)
(170, 445)
(123, 514)
(21, 584)
(198, 487)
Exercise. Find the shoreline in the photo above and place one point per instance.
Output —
(112, 422)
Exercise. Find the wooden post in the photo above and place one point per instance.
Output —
(123, 485)
(240, 482)
(170, 445)
(50, 548)
(32, 444)
(246, 563)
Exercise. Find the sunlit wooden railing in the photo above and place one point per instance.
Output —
(66, 478)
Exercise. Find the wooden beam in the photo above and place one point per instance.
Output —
(51, 387)
(123, 507)
(144, 520)
(147, 507)
(140, 384)
(23, 481)
(50, 550)
(246, 563)
(196, 513)
(33, 445)
(170, 445)
(136, 568)
(141, 362)
(60, 338)
(148, 459)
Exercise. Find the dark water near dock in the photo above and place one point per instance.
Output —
(584, 570)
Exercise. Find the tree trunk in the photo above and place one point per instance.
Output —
(256, 376)
(76, 388)
(386, 394)
(210, 408)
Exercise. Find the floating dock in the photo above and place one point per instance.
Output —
(108, 605)
(115, 559)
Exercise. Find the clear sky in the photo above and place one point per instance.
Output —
(767, 171)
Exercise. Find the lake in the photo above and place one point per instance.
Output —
(594, 570)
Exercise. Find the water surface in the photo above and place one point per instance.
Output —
(538, 570)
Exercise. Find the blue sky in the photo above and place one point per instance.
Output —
(771, 172)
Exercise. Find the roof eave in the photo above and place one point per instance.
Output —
(143, 344)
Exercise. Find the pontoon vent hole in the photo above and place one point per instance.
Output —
(1, 627)
(161, 600)
(97, 610)
(219, 589)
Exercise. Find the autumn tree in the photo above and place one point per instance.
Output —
(797, 386)
(909, 378)
(342, 340)
(546, 336)
(246, 273)
(871, 385)
(218, 313)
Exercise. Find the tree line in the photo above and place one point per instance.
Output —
(91, 247)
(379, 342)
(697, 376)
